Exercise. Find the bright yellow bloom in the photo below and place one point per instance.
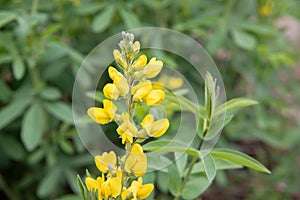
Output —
(119, 87)
(103, 115)
(140, 63)
(94, 184)
(136, 162)
(106, 161)
(170, 82)
(141, 90)
(155, 128)
(127, 130)
(154, 98)
(138, 190)
(153, 68)
(111, 91)
(120, 59)
(111, 187)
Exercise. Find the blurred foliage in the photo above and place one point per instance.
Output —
(42, 44)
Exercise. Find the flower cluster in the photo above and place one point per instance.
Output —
(122, 177)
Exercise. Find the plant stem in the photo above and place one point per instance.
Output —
(34, 6)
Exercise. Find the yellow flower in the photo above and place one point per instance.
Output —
(120, 59)
(155, 128)
(136, 162)
(140, 63)
(172, 82)
(141, 90)
(106, 161)
(127, 130)
(103, 115)
(267, 8)
(94, 184)
(153, 68)
(111, 187)
(111, 91)
(138, 190)
(154, 98)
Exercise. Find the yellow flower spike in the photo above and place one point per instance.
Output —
(141, 90)
(103, 115)
(140, 63)
(154, 98)
(155, 128)
(119, 59)
(106, 161)
(111, 91)
(127, 130)
(136, 162)
(153, 68)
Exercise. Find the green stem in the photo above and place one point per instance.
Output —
(34, 6)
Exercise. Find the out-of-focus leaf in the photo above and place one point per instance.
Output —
(49, 183)
(82, 188)
(60, 110)
(18, 68)
(239, 158)
(174, 180)
(12, 111)
(69, 197)
(90, 8)
(216, 40)
(243, 39)
(181, 162)
(5, 93)
(130, 19)
(53, 52)
(6, 17)
(195, 186)
(32, 127)
(50, 93)
(66, 146)
(71, 178)
(169, 146)
(11, 147)
(209, 167)
(103, 19)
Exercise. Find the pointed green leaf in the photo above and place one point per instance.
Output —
(49, 183)
(239, 158)
(209, 167)
(174, 180)
(6, 17)
(169, 146)
(233, 105)
(50, 93)
(18, 68)
(130, 19)
(82, 187)
(244, 40)
(32, 127)
(103, 19)
(61, 111)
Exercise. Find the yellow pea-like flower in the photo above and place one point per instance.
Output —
(136, 162)
(138, 190)
(111, 187)
(119, 58)
(106, 161)
(154, 98)
(111, 91)
(155, 128)
(127, 130)
(141, 90)
(119, 80)
(153, 68)
(140, 63)
(103, 115)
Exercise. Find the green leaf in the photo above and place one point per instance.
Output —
(216, 125)
(233, 105)
(130, 19)
(11, 147)
(61, 111)
(18, 68)
(243, 39)
(49, 183)
(220, 164)
(6, 92)
(195, 186)
(90, 8)
(181, 162)
(239, 158)
(6, 17)
(82, 187)
(169, 146)
(103, 19)
(174, 180)
(32, 127)
(209, 167)
(50, 93)
(12, 111)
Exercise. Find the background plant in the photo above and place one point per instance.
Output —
(42, 44)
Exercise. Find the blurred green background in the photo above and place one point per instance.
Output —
(255, 44)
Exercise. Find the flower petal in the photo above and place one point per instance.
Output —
(154, 98)
(98, 115)
(153, 68)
